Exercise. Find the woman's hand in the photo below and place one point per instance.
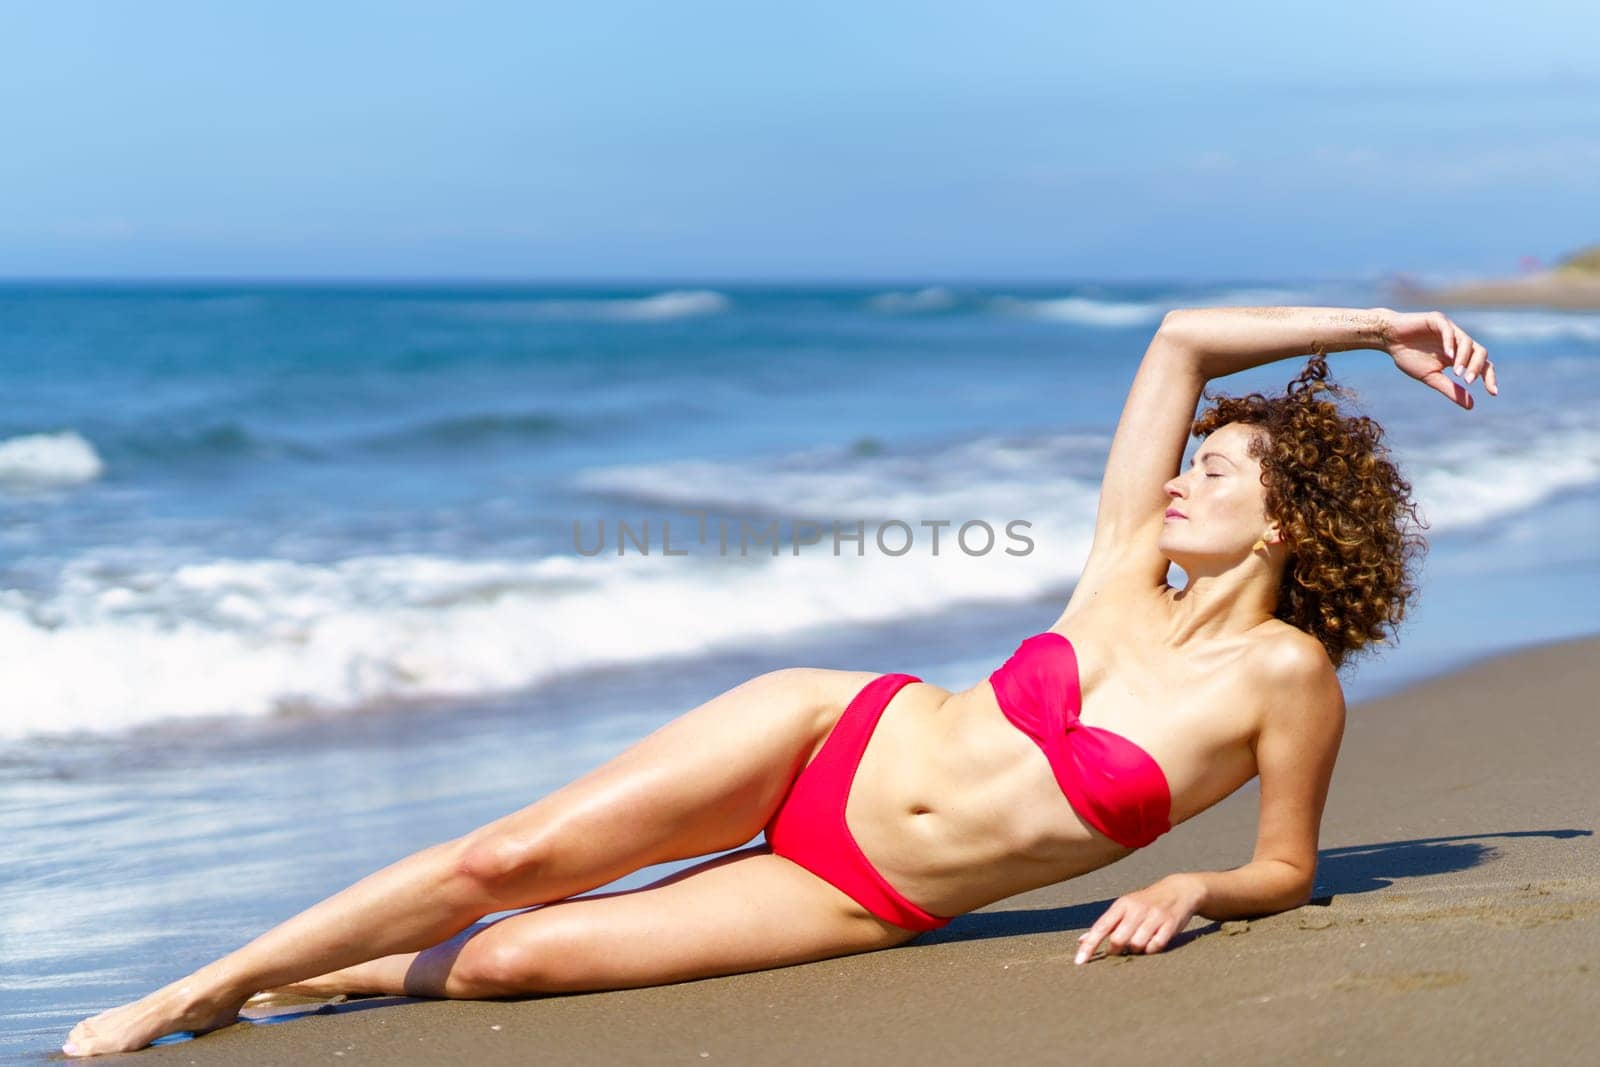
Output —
(1144, 921)
(1424, 343)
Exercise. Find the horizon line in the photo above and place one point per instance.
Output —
(685, 281)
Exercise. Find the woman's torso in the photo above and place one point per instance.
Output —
(958, 808)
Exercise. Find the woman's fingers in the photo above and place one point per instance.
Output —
(1152, 924)
(1091, 938)
(1143, 931)
(1112, 928)
(1478, 366)
(1444, 328)
(1159, 940)
(1122, 936)
(1463, 350)
(1454, 390)
(1457, 353)
(1159, 936)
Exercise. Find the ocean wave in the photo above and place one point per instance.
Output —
(664, 306)
(1530, 325)
(474, 429)
(48, 460)
(1091, 311)
(1487, 478)
(984, 476)
(933, 298)
(1257, 297)
(987, 476)
(1082, 310)
(1052, 480)
(178, 442)
(108, 645)
(112, 648)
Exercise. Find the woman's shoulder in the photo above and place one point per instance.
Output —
(1285, 652)
(1291, 673)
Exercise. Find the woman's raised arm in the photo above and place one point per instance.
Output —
(1227, 340)
(1196, 345)
(1422, 343)
(1145, 452)
(1192, 346)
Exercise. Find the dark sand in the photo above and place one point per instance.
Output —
(1457, 921)
(1565, 291)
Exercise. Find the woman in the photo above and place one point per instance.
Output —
(1149, 704)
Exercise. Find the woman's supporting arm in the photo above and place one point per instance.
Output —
(1146, 920)
(1225, 340)
(1151, 917)
(1260, 887)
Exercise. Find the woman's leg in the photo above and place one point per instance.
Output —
(706, 781)
(745, 911)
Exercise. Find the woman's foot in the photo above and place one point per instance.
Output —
(173, 1009)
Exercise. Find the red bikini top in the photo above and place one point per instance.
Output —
(1111, 782)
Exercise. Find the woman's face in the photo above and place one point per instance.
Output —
(1222, 504)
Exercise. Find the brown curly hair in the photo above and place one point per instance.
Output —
(1346, 514)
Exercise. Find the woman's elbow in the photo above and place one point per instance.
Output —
(1173, 319)
(1178, 330)
(1298, 895)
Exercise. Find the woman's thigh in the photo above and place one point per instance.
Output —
(744, 911)
(706, 781)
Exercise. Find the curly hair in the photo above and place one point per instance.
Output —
(1346, 514)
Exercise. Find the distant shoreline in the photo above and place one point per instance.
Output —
(1550, 289)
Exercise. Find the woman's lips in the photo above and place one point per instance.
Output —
(1171, 514)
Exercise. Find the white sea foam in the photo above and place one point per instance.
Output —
(112, 645)
(983, 477)
(1530, 325)
(1475, 481)
(48, 460)
(1083, 310)
(1479, 480)
(112, 648)
(672, 304)
(1252, 298)
(1089, 311)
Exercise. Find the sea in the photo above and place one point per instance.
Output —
(296, 579)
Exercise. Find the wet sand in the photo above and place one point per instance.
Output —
(1457, 919)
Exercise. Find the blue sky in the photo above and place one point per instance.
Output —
(832, 141)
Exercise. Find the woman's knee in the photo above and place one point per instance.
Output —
(497, 964)
(485, 969)
(500, 863)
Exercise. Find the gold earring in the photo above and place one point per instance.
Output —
(1259, 545)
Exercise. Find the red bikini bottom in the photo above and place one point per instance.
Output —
(809, 825)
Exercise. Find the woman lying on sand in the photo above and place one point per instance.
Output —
(1149, 704)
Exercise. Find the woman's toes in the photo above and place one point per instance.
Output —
(135, 1025)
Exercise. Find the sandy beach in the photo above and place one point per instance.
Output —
(1550, 289)
(1457, 920)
